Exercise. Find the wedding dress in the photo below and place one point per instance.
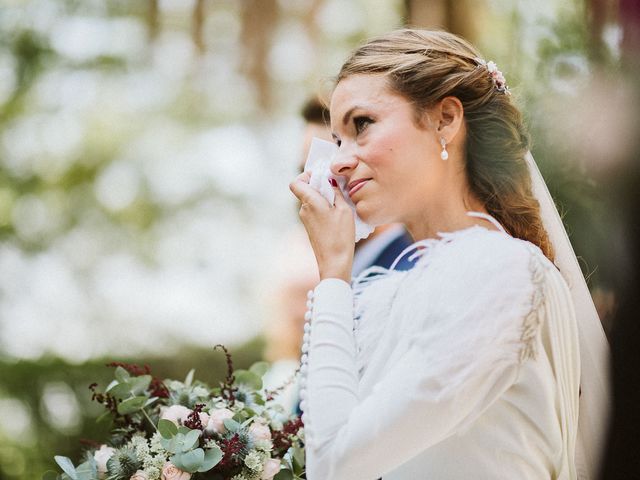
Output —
(465, 367)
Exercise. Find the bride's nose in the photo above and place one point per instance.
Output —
(344, 162)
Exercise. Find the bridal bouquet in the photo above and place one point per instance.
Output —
(172, 430)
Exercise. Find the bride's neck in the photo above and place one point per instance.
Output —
(446, 218)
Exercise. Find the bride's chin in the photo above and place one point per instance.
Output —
(368, 215)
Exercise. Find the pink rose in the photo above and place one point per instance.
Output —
(204, 419)
(101, 457)
(217, 418)
(171, 472)
(175, 413)
(139, 475)
(258, 432)
(271, 468)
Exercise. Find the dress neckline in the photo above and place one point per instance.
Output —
(421, 246)
(487, 217)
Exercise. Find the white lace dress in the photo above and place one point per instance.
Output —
(465, 367)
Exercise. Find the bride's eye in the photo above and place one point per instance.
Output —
(361, 123)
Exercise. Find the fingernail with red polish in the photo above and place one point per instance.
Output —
(333, 182)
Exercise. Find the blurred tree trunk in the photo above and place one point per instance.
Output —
(596, 19)
(309, 21)
(629, 17)
(259, 20)
(199, 16)
(457, 16)
(153, 23)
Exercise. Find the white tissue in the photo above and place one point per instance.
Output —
(318, 163)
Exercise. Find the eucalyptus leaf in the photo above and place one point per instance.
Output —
(184, 430)
(111, 385)
(259, 368)
(211, 458)
(284, 475)
(138, 385)
(297, 467)
(167, 428)
(122, 375)
(189, 379)
(231, 425)
(131, 405)
(242, 416)
(67, 466)
(172, 445)
(191, 440)
(87, 470)
(189, 461)
(250, 379)
(298, 455)
(120, 390)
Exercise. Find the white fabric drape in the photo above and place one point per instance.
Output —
(595, 396)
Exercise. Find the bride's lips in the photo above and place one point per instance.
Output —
(356, 185)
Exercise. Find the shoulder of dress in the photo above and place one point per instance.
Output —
(487, 252)
(508, 273)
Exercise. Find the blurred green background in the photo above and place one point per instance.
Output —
(145, 152)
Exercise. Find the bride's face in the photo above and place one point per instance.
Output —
(392, 164)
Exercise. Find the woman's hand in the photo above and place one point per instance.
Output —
(331, 228)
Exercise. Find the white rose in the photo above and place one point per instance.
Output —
(217, 418)
(139, 475)
(102, 456)
(270, 469)
(259, 431)
(175, 413)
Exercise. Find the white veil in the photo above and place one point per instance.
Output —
(594, 349)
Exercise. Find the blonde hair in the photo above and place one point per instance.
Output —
(427, 66)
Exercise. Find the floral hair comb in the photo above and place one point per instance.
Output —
(496, 75)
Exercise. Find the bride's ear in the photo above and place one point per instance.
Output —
(447, 117)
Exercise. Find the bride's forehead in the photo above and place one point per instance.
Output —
(361, 90)
(359, 86)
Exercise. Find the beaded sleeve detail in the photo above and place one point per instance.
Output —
(535, 318)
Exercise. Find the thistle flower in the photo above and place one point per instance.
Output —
(123, 464)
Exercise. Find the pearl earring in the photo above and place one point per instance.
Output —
(444, 155)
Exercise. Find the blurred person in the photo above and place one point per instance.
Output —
(486, 359)
(621, 460)
(295, 272)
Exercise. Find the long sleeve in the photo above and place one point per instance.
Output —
(454, 366)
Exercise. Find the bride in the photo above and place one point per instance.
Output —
(468, 365)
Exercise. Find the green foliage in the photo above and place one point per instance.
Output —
(31, 460)
(183, 443)
(167, 429)
(67, 466)
(248, 378)
(259, 368)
